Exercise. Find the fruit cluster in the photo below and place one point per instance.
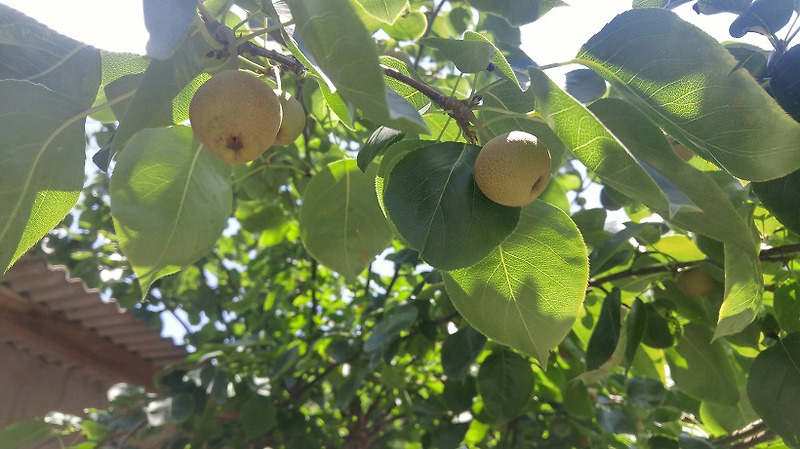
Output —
(237, 116)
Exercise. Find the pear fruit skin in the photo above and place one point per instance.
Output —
(695, 282)
(513, 169)
(236, 116)
(293, 121)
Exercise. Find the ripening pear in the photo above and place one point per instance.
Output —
(695, 282)
(294, 119)
(236, 116)
(513, 168)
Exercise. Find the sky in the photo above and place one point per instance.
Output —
(118, 25)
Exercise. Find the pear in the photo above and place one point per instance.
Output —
(513, 169)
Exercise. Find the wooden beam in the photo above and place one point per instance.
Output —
(48, 329)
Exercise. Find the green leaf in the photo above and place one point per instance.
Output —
(447, 435)
(341, 223)
(787, 307)
(514, 11)
(433, 201)
(687, 83)
(744, 289)
(703, 369)
(505, 383)
(459, 351)
(388, 328)
(409, 27)
(170, 199)
(167, 22)
(781, 196)
(116, 66)
(773, 386)
(152, 103)
(501, 66)
(23, 434)
(376, 144)
(700, 205)
(606, 334)
(42, 155)
(469, 56)
(35, 53)
(387, 11)
(764, 17)
(351, 61)
(589, 140)
(528, 291)
(170, 410)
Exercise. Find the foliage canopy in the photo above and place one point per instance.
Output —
(355, 288)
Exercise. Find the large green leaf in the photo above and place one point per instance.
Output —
(344, 49)
(763, 16)
(433, 201)
(387, 11)
(170, 199)
(42, 157)
(528, 291)
(516, 12)
(773, 386)
(714, 214)
(703, 369)
(341, 223)
(690, 85)
(38, 54)
(505, 383)
(589, 140)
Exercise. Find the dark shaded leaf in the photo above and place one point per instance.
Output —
(167, 22)
(505, 383)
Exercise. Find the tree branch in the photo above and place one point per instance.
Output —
(431, 18)
(770, 254)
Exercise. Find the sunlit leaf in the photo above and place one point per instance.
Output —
(410, 26)
(42, 157)
(744, 289)
(527, 292)
(170, 198)
(689, 85)
(781, 196)
(341, 223)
